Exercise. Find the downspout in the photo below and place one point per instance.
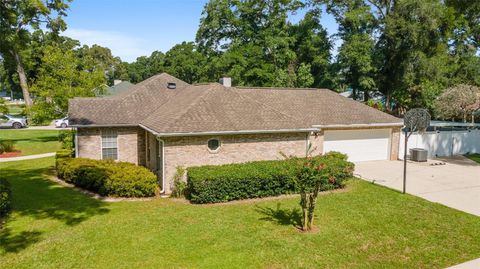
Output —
(307, 142)
(162, 164)
(76, 142)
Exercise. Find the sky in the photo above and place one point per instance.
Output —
(133, 28)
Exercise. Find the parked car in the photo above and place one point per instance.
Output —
(61, 123)
(10, 121)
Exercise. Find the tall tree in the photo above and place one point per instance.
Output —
(185, 62)
(248, 32)
(145, 67)
(102, 57)
(312, 47)
(409, 50)
(355, 55)
(17, 18)
(64, 75)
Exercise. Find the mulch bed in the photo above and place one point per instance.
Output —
(15, 153)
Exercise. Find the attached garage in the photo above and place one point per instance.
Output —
(359, 144)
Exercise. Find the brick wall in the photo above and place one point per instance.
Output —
(395, 143)
(131, 144)
(193, 151)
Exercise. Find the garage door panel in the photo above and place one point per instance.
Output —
(359, 145)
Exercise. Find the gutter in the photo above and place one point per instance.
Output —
(360, 125)
(102, 125)
(231, 132)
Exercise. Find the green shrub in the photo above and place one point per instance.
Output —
(212, 184)
(179, 185)
(66, 138)
(42, 113)
(107, 177)
(6, 146)
(5, 197)
(60, 159)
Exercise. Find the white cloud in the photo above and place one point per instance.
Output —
(126, 47)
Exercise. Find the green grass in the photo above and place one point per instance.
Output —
(474, 157)
(32, 141)
(363, 227)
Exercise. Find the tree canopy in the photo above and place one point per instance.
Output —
(409, 51)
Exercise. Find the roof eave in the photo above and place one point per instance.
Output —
(359, 125)
(102, 125)
(172, 134)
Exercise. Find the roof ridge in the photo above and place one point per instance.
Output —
(265, 105)
(136, 87)
(276, 88)
(179, 115)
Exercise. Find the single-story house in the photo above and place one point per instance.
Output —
(163, 122)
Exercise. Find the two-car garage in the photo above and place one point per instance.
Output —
(360, 144)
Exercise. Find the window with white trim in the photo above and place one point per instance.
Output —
(109, 145)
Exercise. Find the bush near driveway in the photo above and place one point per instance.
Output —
(5, 197)
(221, 183)
(107, 178)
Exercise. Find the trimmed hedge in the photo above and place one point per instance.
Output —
(5, 197)
(108, 178)
(213, 184)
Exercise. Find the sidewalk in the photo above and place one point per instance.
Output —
(474, 264)
(29, 157)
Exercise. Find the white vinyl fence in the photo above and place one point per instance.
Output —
(443, 143)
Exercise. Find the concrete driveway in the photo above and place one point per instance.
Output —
(454, 182)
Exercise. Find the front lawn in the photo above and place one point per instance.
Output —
(474, 157)
(363, 226)
(32, 141)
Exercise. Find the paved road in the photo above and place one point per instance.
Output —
(455, 184)
(29, 157)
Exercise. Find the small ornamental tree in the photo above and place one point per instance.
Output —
(309, 180)
(317, 174)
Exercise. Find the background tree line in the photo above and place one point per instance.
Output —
(410, 51)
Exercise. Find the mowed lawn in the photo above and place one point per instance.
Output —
(474, 157)
(32, 141)
(364, 226)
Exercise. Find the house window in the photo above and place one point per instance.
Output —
(109, 145)
(213, 144)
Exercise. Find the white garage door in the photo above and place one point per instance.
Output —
(359, 145)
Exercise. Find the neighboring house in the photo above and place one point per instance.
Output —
(375, 95)
(119, 87)
(163, 123)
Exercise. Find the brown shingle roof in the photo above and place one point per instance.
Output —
(215, 108)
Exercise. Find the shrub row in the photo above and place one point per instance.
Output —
(5, 197)
(212, 184)
(107, 178)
